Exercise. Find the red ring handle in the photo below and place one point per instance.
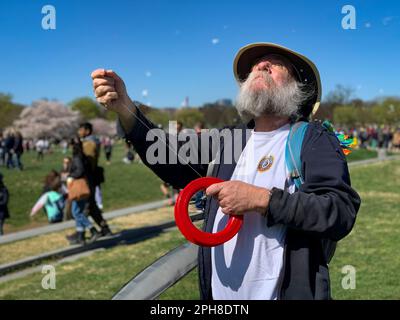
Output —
(186, 226)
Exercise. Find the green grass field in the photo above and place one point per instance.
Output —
(371, 249)
(361, 154)
(126, 185)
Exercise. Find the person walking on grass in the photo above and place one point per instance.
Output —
(40, 145)
(82, 223)
(108, 146)
(94, 175)
(18, 149)
(9, 149)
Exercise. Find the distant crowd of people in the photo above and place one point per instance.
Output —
(376, 137)
(13, 145)
(55, 200)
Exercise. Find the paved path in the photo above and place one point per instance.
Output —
(129, 236)
(374, 160)
(38, 269)
(21, 235)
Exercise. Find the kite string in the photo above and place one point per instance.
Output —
(166, 144)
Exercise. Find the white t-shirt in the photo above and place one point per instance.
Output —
(248, 266)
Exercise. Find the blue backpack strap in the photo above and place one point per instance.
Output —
(294, 143)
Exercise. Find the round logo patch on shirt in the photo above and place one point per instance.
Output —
(265, 163)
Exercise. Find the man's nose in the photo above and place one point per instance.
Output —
(263, 66)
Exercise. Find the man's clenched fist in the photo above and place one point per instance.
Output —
(110, 90)
(236, 197)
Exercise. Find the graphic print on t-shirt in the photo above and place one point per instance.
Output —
(265, 163)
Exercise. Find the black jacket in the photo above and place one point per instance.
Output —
(18, 145)
(9, 143)
(322, 212)
(4, 197)
(78, 167)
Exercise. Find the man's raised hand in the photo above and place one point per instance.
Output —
(110, 90)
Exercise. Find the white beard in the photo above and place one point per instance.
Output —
(281, 101)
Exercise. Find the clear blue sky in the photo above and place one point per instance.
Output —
(166, 47)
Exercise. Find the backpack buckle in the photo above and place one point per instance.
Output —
(294, 174)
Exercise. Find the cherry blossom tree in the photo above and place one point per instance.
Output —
(49, 119)
(103, 127)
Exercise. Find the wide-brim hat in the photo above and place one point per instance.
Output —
(304, 69)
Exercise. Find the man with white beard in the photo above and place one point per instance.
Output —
(289, 233)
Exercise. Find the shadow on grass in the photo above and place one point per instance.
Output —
(125, 237)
